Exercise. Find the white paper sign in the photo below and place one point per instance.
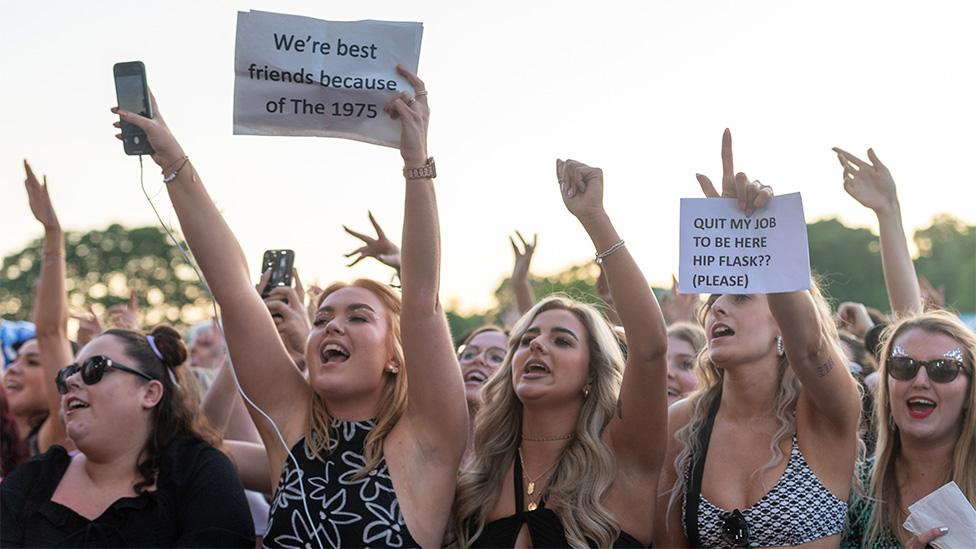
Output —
(945, 507)
(302, 76)
(724, 252)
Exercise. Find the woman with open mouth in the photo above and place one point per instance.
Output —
(926, 428)
(366, 450)
(763, 453)
(568, 443)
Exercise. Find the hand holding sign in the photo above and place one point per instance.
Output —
(750, 195)
(723, 249)
(414, 115)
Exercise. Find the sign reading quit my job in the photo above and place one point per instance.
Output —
(301, 76)
(724, 252)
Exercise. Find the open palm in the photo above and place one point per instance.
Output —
(870, 184)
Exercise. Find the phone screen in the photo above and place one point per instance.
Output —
(131, 93)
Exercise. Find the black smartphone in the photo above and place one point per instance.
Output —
(280, 263)
(133, 96)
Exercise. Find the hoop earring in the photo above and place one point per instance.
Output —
(780, 351)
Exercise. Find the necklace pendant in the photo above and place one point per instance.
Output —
(532, 506)
(531, 489)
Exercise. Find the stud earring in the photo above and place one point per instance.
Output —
(586, 390)
(395, 370)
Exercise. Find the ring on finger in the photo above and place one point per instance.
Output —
(421, 93)
(412, 101)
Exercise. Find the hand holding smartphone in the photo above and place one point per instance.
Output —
(132, 93)
(280, 263)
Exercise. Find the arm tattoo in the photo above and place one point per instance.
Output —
(620, 408)
(826, 368)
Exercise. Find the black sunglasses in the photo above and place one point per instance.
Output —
(940, 370)
(92, 371)
(736, 529)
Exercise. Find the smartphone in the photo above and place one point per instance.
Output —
(280, 263)
(133, 96)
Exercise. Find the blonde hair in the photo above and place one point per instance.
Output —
(587, 466)
(393, 399)
(693, 334)
(883, 490)
(710, 378)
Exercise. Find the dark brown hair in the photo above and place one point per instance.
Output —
(177, 413)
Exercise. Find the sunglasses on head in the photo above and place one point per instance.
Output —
(736, 529)
(940, 370)
(92, 371)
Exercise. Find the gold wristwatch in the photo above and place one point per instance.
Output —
(427, 171)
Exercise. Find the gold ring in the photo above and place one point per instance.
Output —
(421, 93)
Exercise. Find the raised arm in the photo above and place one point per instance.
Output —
(524, 296)
(436, 407)
(871, 184)
(262, 364)
(50, 309)
(638, 430)
(380, 248)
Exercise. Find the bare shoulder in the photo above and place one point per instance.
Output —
(679, 414)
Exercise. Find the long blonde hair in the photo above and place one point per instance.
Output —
(885, 517)
(393, 399)
(587, 467)
(710, 380)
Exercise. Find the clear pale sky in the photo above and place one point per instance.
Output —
(642, 90)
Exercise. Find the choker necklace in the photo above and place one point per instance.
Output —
(530, 488)
(548, 439)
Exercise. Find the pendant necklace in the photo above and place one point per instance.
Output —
(530, 487)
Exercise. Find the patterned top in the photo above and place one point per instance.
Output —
(799, 509)
(861, 508)
(345, 511)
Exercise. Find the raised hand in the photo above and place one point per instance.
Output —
(679, 307)
(40, 200)
(414, 113)
(870, 184)
(581, 187)
(751, 195)
(88, 326)
(380, 248)
(855, 318)
(932, 297)
(523, 257)
(287, 307)
(125, 315)
(168, 151)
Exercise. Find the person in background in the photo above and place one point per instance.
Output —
(685, 342)
(146, 473)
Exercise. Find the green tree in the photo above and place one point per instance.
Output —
(103, 267)
(947, 255)
(848, 263)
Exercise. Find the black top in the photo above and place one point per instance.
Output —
(344, 511)
(198, 501)
(545, 528)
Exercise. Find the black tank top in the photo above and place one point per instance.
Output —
(545, 529)
(345, 512)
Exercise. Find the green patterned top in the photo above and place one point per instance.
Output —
(860, 507)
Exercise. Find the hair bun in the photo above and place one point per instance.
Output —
(171, 346)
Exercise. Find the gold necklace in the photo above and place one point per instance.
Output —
(530, 487)
(548, 439)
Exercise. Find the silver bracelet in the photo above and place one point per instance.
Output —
(173, 175)
(613, 248)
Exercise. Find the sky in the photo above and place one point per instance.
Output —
(642, 90)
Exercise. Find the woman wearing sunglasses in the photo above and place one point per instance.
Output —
(926, 428)
(145, 474)
(763, 452)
